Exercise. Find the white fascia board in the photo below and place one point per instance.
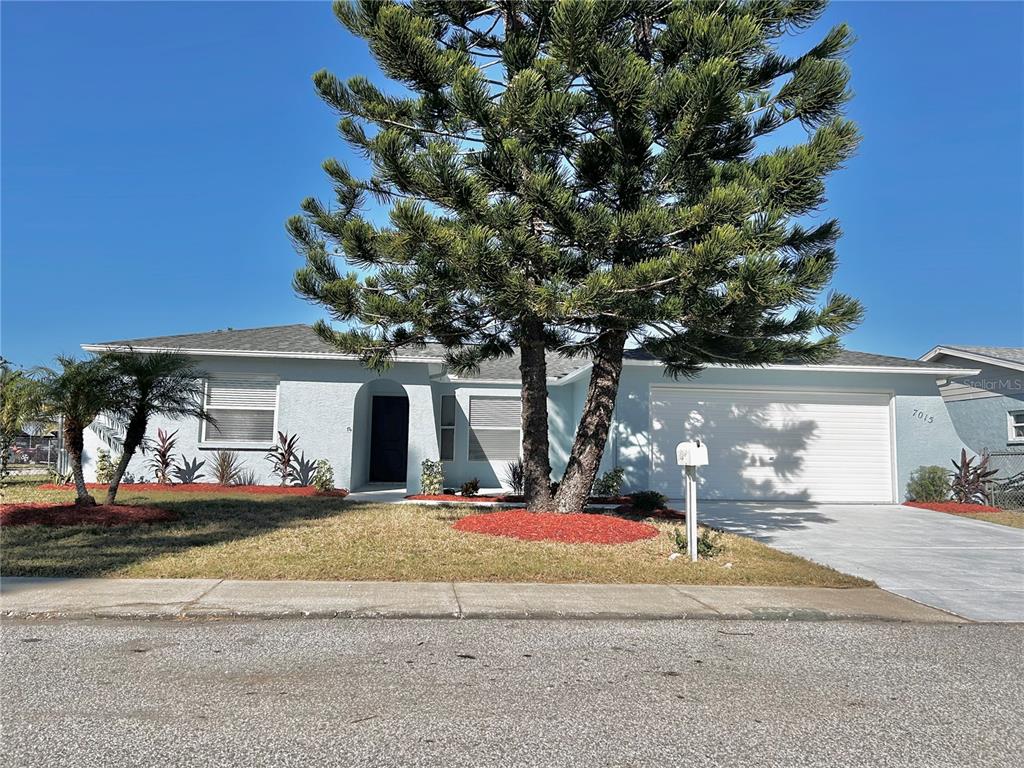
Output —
(953, 352)
(951, 372)
(249, 353)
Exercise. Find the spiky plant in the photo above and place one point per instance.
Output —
(226, 467)
(969, 480)
(162, 461)
(188, 471)
(282, 457)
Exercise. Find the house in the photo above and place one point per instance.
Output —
(987, 408)
(850, 430)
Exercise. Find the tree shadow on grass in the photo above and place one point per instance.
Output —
(90, 551)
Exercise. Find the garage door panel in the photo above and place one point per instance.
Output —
(776, 445)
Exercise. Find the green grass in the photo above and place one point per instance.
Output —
(219, 535)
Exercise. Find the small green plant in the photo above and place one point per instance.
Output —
(610, 483)
(104, 466)
(968, 484)
(323, 476)
(188, 471)
(303, 471)
(929, 483)
(431, 477)
(648, 501)
(709, 542)
(225, 467)
(61, 478)
(245, 477)
(163, 456)
(470, 487)
(515, 477)
(282, 457)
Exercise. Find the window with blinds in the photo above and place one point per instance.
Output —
(446, 448)
(244, 409)
(494, 424)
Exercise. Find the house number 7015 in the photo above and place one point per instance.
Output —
(925, 417)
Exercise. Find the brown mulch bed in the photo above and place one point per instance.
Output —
(70, 514)
(508, 498)
(255, 490)
(954, 507)
(570, 529)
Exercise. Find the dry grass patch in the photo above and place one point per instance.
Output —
(217, 536)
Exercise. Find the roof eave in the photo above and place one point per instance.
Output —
(975, 356)
(249, 353)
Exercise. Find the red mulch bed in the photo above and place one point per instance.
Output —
(571, 529)
(69, 514)
(953, 506)
(509, 498)
(255, 490)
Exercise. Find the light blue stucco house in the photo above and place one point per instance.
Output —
(851, 430)
(987, 408)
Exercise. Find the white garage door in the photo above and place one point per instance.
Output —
(799, 446)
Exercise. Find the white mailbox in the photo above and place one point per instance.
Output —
(692, 454)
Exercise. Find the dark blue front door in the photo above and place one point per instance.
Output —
(389, 439)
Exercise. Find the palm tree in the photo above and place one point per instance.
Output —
(78, 394)
(21, 406)
(151, 384)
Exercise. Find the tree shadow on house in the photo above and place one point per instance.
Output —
(92, 551)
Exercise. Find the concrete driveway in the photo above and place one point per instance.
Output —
(967, 567)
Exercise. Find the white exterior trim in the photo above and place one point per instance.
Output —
(975, 356)
(249, 353)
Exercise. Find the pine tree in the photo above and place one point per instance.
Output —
(584, 176)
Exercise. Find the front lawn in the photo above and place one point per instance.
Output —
(219, 535)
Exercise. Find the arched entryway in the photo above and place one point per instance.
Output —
(380, 434)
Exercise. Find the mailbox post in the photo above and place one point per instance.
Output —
(691, 455)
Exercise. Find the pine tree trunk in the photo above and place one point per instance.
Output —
(74, 444)
(133, 437)
(592, 434)
(536, 460)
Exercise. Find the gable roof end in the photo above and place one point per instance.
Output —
(1005, 357)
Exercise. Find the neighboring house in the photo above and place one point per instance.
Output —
(987, 408)
(851, 430)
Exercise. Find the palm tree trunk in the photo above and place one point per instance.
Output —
(74, 444)
(133, 437)
(536, 459)
(592, 434)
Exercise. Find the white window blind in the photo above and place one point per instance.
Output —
(243, 407)
(494, 424)
(447, 428)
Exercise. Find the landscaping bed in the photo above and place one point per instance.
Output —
(570, 529)
(266, 490)
(507, 498)
(70, 514)
(954, 507)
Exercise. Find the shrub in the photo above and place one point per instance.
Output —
(515, 477)
(163, 456)
(303, 471)
(431, 477)
(105, 466)
(928, 483)
(245, 477)
(709, 542)
(282, 456)
(61, 478)
(968, 484)
(323, 476)
(226, 467)
(188, 472)
(648, 501)
(470, 487)
(610, 483)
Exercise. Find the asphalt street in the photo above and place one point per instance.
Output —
(510, 693)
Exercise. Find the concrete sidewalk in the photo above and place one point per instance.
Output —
(214, 598)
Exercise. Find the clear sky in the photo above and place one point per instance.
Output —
(151, 153)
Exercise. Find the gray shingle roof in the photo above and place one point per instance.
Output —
(1008, 354)
(301, 339)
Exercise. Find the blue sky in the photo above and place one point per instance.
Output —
(151, 153)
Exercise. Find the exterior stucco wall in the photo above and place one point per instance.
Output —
(317, 401)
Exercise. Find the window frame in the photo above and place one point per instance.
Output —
(209, 441)
(1012, 424)
(442, 427)
(518, 429)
